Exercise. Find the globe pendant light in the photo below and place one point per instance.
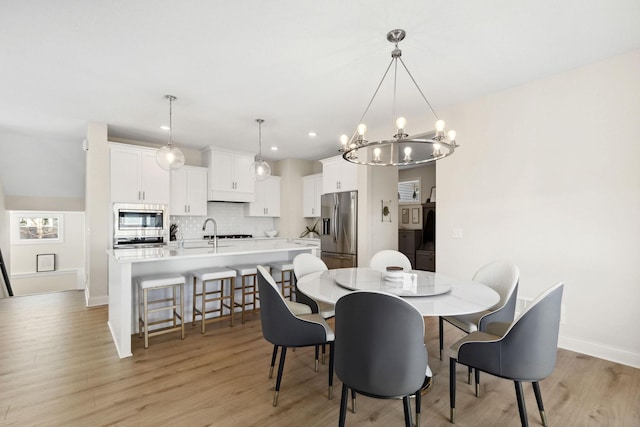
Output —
(401, 149)
(260, 169)
(170, 157)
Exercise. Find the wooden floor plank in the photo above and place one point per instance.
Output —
(59, 367)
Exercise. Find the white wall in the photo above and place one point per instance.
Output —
(548, 175)
(4, 240)
(69, 261)
(291, 222)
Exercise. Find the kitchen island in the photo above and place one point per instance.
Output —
(124, 264)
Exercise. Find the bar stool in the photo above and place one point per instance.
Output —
(286, 282)
(248, 285)
(205, 276)
(153, 283)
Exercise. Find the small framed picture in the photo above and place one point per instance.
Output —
(45, 262)
(415, 216)
(405, 215)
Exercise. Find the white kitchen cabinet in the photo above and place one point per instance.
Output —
(267, 198)
(229, 176)
(338, 175)
(136, 177)
(311, 192)
(189, 191)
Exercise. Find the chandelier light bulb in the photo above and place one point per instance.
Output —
(440, 126)
(344, 139)
(362, 128)
(407, 154)
(401, 122)
(452, 135)
(376, 154)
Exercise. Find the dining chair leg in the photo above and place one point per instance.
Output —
(317, 353)
(536, 391)
(324, 350)
(452, 390)
(353, 401)
(441, 335)
(331, 361)
(407, 411)
(343, 405)
(521, 405)
(418, 407)
(283, 354)
(273, 360)
(470, 370)
(477, 375)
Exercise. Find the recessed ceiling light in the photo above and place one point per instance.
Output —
(165, 127)
(274, 148)
(312, 133)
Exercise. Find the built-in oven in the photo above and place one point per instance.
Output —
(136, 225)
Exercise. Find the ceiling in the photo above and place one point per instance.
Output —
(300, 65)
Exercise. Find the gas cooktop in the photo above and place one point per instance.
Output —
(229, 236)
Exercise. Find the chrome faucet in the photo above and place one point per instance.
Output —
(212, 241)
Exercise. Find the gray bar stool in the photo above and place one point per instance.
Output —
(287, 278)
(225, 300)
(153, 283)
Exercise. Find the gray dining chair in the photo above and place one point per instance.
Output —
(524, 350)
(501, 276)
(304, 264)
(385, 258)
(380, 356)
(282, 328)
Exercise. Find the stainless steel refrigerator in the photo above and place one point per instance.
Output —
(339, 235)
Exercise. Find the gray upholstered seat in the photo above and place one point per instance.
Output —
(282, 328)
(383, 259)
(524, 350)
(378, 357)
(501, 276)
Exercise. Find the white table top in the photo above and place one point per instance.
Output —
(465, 296)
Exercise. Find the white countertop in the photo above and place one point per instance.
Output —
(202, 249)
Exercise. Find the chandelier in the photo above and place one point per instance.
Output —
(260, 169)
(401, 150)
(169, 157)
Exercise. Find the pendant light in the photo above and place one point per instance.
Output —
(260, 169)
(170, 157)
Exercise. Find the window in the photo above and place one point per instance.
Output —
(36, 227)
(409, 191)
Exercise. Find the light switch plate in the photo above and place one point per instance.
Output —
(456, 233)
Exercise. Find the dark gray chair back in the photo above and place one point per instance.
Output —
(379, 346)
(527, 351)
(279, 325)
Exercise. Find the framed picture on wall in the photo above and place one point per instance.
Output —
(415, 216)
(45, 262)
(405, 215)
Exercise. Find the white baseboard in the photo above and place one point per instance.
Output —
(598, 350)
(115, 342)
(95, 301)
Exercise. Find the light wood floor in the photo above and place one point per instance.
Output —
(58, 366)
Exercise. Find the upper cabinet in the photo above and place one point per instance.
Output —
(267, 200)
(338, 175)
(136, 176)
(229, 176)
(311, 192)
(189, 191)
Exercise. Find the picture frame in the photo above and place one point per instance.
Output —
(415, 216)
(45, 262)
(432, 198)
(405, 215)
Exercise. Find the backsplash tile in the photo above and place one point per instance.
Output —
(230, 218)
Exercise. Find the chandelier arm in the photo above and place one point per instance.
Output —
(366, 110)
(395, 85)
(419, 90)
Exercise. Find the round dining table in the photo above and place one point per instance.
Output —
(433, 294)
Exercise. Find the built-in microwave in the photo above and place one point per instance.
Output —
(139, 224)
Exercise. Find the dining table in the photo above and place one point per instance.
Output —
(433, 294)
